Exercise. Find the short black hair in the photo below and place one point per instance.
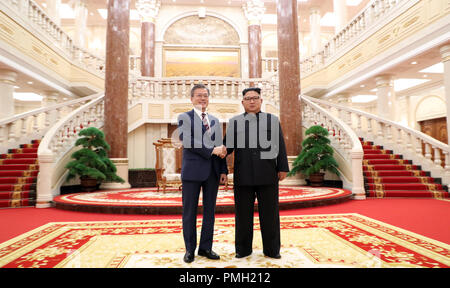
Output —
(256, 89)
(198, 86)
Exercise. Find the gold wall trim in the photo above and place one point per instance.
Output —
(24, 42)
(414, 20)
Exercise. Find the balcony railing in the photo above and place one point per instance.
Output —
(33, 18)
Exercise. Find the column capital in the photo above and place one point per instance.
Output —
(8, 76)
(314, 10)
(254, 11)
(384, 80)
(148, 9)
(445, 53)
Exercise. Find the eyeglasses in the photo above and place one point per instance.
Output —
(201, 95)
(251, 98)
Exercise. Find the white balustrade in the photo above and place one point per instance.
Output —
(375, 13)
(58, 141)
(27, 126)
(179, 87)
(414, 145)
(30, 13)
(343, 139)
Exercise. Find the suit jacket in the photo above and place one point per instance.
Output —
(198, 161)
(259, 148)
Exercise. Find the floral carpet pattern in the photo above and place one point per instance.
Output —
(172, 197)
(331, 240)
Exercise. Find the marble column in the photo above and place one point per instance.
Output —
(445, 55)
(7, 81)
(314, 23)
(254, 11)
(116, 87)
(289, 81)
(53, 7)
(148, 10)
(340, 14)
(81, 15)
(386, 96)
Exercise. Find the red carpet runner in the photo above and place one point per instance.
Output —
(18, 174)
(389, 175)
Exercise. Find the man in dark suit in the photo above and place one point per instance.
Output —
(260, 161)
(203, 168)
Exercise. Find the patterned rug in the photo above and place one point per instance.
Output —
(151, 201)
(334, 240)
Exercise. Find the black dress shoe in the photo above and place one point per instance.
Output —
(239, 255)
(208, 254)
(188, 257)
(277, 256)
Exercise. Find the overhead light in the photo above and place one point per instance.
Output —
(103, 13)
(362, 86)
(66, 12)
(436, 68)
(406, 83)
(27, 97)
(134, 14)
(414, 63)
(269, 19)
(328, 19)
(363, 98)
(352, 2)
(30, 82)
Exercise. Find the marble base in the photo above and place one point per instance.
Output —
(297, 179)
(122, 171)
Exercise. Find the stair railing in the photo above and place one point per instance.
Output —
(58, 142)
(412, 144)
(24, 127)
(30, 15)
(375, 15)
(343, 139)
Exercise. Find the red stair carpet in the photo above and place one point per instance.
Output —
(18, 175)
(389, 175)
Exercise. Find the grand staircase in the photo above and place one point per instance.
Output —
(18, 175)
(389, 175)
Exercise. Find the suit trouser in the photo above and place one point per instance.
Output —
(269, 217)
(191, 192)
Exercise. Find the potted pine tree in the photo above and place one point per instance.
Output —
(316, 156)
(91, 162)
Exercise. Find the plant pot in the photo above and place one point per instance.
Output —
(88, 184)
(316, 179)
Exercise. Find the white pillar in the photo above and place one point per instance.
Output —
(340, 14)
(314, 22)
(81, 15)
(53, 7)
(7, 82)
(386, 97)
(445, 54)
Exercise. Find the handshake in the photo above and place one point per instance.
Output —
(220, 151)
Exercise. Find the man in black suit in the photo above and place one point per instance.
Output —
(203, 168)
(260, 161)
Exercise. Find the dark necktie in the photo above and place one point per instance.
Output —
(205, 122)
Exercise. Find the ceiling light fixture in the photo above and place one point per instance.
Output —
(363, 98)
(436, 68)
(406, 83)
